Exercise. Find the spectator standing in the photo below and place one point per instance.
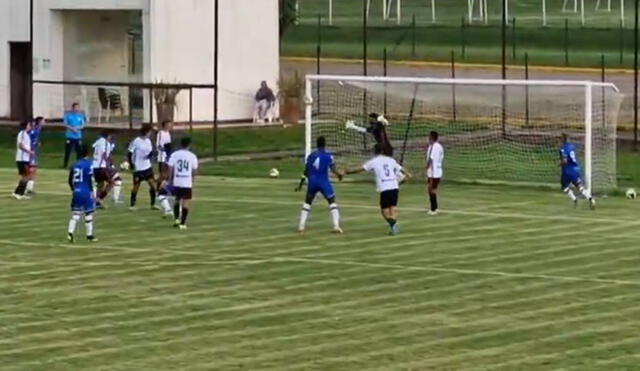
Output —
(74, 121)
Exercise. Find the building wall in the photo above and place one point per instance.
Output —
(14, 27)
(178, 47)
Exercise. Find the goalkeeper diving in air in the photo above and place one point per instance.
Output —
(377, 128)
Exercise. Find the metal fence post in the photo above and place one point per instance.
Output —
(413, 36)
(453, 87)
(566, 42)
(526, 90)
(513, 39)
(463, 38)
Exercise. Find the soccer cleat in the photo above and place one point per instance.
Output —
(338, 230)
(92, 239)
(592, 203)
(118, 202)
(176, 223)
(70, 238)
(155, 207)
(167, 214)
(182, 227)
(394, 230)
(433, 212)
(16, 196)
(100, 206)
(132, 208)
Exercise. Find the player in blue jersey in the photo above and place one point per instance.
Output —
(34, 134)
(571, 173)
(83, 202)
(316, 171)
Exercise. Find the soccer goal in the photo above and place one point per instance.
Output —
(505, 131)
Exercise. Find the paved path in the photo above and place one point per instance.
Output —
(623, 79)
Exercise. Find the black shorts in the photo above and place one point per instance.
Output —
(182, 193)
(389, 198)
(163, 168)
(23, 167)
(144, 175)
(101, 175)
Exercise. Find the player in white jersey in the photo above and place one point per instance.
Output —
(386, 171)
(102, 149)
(163, 145)
(24, 154)
(184, 166)
(435, 158)
(140, 155)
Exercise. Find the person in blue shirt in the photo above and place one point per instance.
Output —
(74, 122)
(83, 202)
(318, 165)
(34, 134)
(570, 175)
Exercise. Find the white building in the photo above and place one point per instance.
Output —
(169, 41)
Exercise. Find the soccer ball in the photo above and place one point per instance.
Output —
(274, 173)
(124, 165)
(631, 194)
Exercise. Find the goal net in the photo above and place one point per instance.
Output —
(492, 130)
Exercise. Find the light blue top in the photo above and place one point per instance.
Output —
(76, 120)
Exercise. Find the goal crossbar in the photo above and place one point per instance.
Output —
(460, 81)
(587, 87)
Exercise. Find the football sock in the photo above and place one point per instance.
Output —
(304, 215)
(88, 223)
(22, 186)
(176, 210)
(335, 215)
(164, 203)
(185, 214)
(117, 188)
(73, 222)
(152, 196)
(571, 195)
(433, 199)
(391, 222)
(585, 193)
(30, 185)
(134, 198)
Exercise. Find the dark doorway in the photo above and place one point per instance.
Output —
(21, 75)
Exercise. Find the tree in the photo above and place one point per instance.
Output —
(288, 15)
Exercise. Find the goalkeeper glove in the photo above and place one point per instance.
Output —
(351, 125)
(383, 120)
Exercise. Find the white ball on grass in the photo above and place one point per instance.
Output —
(631, 194)
(274, 173)
(124, 165)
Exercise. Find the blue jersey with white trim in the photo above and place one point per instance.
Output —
(568, 155)
(318, 165)
(80, 177)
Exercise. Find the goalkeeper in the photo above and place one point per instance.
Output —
(377, 127)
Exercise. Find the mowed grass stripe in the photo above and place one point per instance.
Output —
(402, 296)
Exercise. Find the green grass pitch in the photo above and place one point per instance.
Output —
(504, 279)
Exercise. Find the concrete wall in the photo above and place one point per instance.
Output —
(14, 27)
(178, 47)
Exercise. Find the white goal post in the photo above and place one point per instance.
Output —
(505, 131)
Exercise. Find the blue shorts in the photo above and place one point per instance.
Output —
(570, 177)
(323, 187)
(83, 202)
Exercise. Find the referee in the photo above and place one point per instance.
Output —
(74, 121)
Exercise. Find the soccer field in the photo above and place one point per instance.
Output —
(504, 279)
